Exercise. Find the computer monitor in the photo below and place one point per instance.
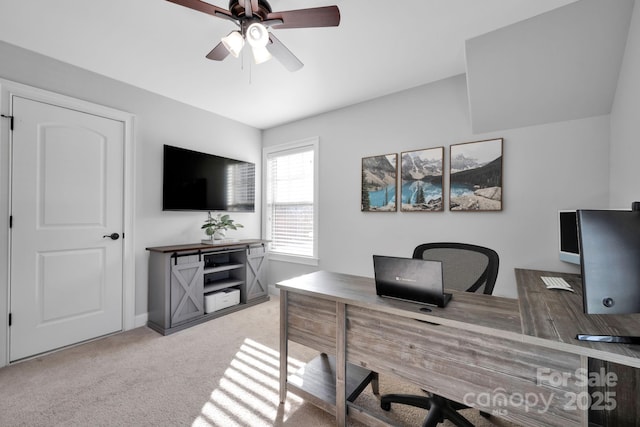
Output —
(610, 260)
(568, 236)
(610, 264)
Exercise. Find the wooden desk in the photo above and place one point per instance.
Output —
(479, 350)
(556, 317)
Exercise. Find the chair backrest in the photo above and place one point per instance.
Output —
(466, 267)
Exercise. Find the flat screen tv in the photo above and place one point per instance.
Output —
(195, 181)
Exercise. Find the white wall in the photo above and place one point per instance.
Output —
(546, 168)
(625, 123)
(158, 121)
(558, 54)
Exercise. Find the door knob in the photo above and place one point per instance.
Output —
(112, 236)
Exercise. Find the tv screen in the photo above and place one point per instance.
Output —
(195, 181)
(609, 260)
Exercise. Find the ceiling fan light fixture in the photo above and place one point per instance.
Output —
(260, 54)
(254, 18)
(234, 43)
(257, 35)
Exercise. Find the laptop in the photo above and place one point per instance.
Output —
(410, 279)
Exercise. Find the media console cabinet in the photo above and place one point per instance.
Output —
(181, 277)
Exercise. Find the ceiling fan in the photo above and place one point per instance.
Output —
(254, 18)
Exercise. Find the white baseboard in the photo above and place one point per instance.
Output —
(272, 290)
(141, 320)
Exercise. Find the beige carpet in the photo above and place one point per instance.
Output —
(222, 373)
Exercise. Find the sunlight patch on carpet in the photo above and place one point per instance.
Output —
(249, 392)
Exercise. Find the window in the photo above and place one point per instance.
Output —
(291, 223)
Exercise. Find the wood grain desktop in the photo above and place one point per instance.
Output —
(515, 358)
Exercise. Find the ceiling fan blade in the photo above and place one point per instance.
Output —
(283, 54)
(218, 53)
(204, 7)
(327, 16)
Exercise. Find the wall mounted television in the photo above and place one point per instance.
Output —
(195, 181)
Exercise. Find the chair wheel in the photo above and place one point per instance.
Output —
(386, 406)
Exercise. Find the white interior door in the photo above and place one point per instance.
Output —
(66, 281)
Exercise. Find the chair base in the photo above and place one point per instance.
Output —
(439, 408)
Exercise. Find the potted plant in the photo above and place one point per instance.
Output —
(215, 227)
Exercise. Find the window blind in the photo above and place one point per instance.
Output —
(290, 201)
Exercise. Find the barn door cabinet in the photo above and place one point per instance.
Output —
(190, 284)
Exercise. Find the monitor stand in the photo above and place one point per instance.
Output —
(619, 339)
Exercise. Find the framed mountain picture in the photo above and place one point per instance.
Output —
(379, 183)
(475, 178)
(421, 173)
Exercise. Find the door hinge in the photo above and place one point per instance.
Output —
(10, 319)
(10, 120)
(11, 221)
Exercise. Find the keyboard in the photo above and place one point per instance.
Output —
(557, 283)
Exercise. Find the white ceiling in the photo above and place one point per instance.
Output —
(380, 47)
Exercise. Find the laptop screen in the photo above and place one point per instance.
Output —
(410, 279)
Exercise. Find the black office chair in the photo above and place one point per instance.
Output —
(465, 267)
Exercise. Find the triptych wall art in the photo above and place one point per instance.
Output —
(475, 179)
